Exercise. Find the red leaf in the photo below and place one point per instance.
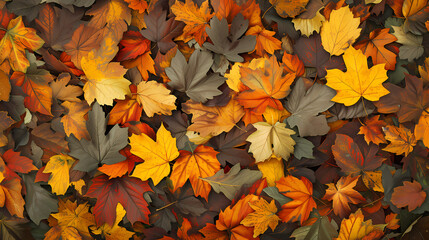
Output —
(17, 162)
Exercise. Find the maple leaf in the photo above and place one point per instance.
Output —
(59, 167)
(374, 47)
(196, 19)
(289, 8)
(105, 80)
(133, 44)
(265, 42)
(110, 192)
(340, 31)
(229, 43)
(138, 5)
(10, 194)
(102, 148)
(408, 103)
(191, 77)
(411, 195)
(342, 194)
(121, 168)
(412, 45)
(201, 163)
(372, 130)
(127, 110)
(231, 182)
(155, 98)
(353, 161)
(301, 193)
(271, 139)
(263, 217)
(63, 91)
(74, 121)
(160, 30)
(156, 155)
(402, 140)
(416, 13)
(114, 232)
(18, 163)
(15, 40)
(213, 120)
(267, 85)
(72, 215)
(305, 106)
(358, 81)
(355, 228)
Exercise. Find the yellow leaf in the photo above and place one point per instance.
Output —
(354, 228)
(233, 77)
(421, 130)
(105, 80)
(157, 155)
(78, 185)
(59, 167)
(402, 140)
(271, 139)
(308, 26)
(155, 98)
(340, 32)
(272, 170)
(372, 179)
(13, 44)
(263, 217)
(272, 115)
(74, 121)
(114, 232)
(358, 81)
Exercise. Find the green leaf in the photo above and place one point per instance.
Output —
(322, 229)
(276, 195)
(303, 148)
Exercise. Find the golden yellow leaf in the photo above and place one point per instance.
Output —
(74, 121)
(272, 115)
(155, 98)
(421, 130)
(263, 217)
(308, 26)
(59, 167)
(272, 170)
(402, 140)
(354, 228)
(358, 81)
(78, 185)
(114, 232)
(157, 155)
(5, 87)
(105, 80)
(340, 32)
(372, 179)
(271, 139)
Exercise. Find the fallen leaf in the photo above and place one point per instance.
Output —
(272, 170)
(373, 130)
(288, 8)
(355, 228)
(402, 140)
(411, 195)
(114, 232)
(263, 217)
(74, 121)
(155, 98)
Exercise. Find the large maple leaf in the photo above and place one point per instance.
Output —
(342, 194)
(156, 155)
(155, 98)
(301, 193)
(267, 85)
(358, 81)
(201, 163)
(402, 140)
(15, 40)
(128, 191)
(74, 120)
(263, 217)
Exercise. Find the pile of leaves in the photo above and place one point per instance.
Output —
(221, 119)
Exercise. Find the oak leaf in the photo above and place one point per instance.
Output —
(301, 193)
(359, 81)
(271, 139)
(156, 155)
(263, 217)
(114, 232)
(59, 167)
(372, 130)
(155, 98)
(289, 8)
(15, 40)
(342, 194)
(411, 195)
(340, 31)
(213, 120)
(201, 163)
(402, 140)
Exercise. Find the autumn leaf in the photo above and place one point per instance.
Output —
(201, 163)
(272, 170)
(340, 32)
(5, 123)
(155, 98)
(358, 81)
(114, 232)
(263, 217)
(402, 140)
(415, 13)
(121, 168)
(156, 155)
(342, 194)
(355, 228)
(16, 39)
(411, 195)
(59, 167)
(301, 193)
(18, 163)
(74, 121)
(421, 130)
(288, 8)
(372, 130)
(10, 194)
(62, 90)
(265, 42)
(213, 120)
(127, 110)
(271, 139)
(374, 47)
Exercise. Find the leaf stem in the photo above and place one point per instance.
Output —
(166, 206)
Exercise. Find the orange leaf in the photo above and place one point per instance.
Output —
(289, 8)
(392, 221)
(139, 5)
(263, 217)
(402, 140)
(342, 194)
(201, 163)
(5, 87)
(182, 231)
(265, 42)
(228, 9)
(127, 110)
(301, 193)
(267, 85)
(10, 195)
(373, 131)
(5, 123)
(74, 121)
(144, 64)
(411, 195)
(374, 47)
(121, 168)
(293, 64)
(355, 228)
(18, 163)
(133, 44)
